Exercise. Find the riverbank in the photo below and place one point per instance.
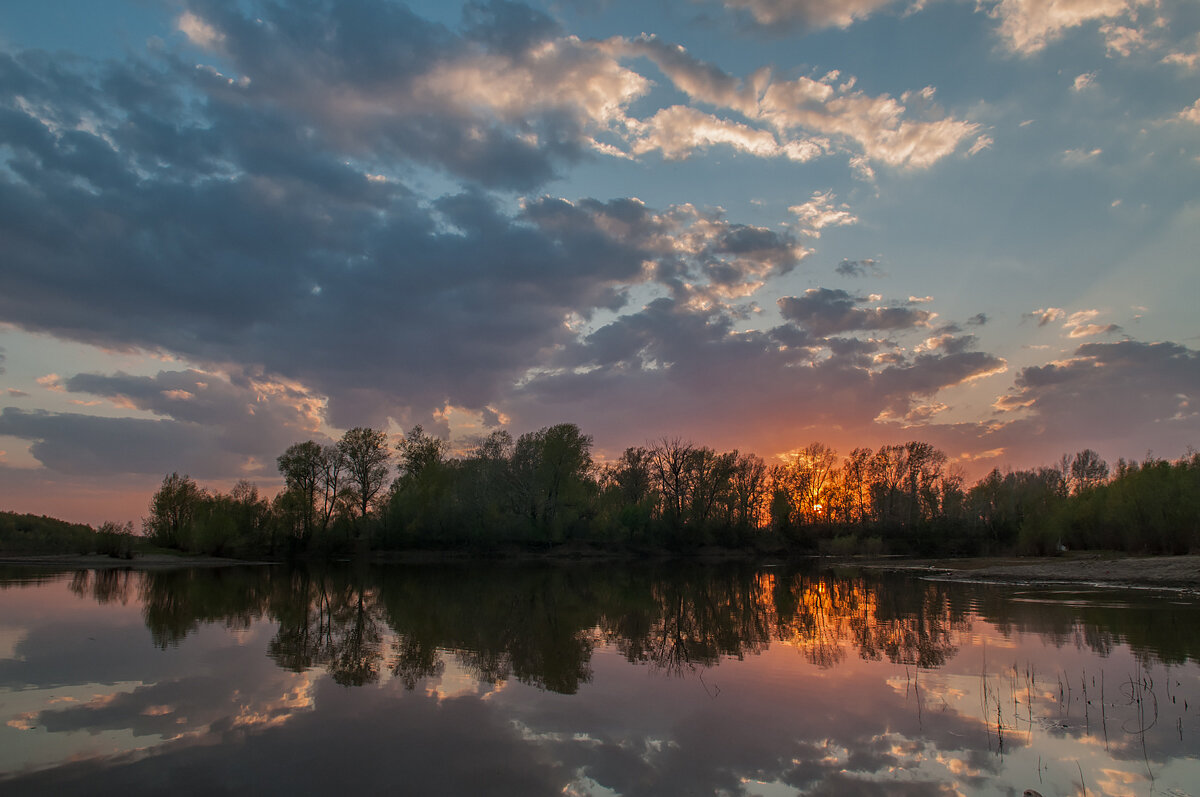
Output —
(1082, 568)
(93, 561)
(1079, 568)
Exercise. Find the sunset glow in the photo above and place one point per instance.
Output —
(751, 225)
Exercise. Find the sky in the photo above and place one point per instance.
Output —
(752, 224)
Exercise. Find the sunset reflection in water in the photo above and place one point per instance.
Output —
(585, 679)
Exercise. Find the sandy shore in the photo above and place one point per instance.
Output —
(1140, 571)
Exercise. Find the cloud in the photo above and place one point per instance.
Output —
(821, 211)
(1083, 81)
(1078, 157)
(676, 363)
(823, 311)
(1191, 113)
(1079, 325)
(947, 342)
(1080, 317)
(1124, 397)
(858, 268)
(300, 265)
(261, 219)
(1047, 315)
(1187, 56)
(211, 425)
(1121, 40)
(981, 143)
(824, 113)
(925, 412)
(510, 97)
(1027, 26)
(503, 101)
(74, 444)
(199, 32)
(978, 320)
(808, 13)
(679, 131)
(1089, 330)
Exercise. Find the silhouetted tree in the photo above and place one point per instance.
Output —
(366, 453)
(551, 476)
(302, 466)
(670, 462)
(1087, 470)
(172, 511)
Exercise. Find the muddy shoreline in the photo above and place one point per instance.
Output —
(1084, 568)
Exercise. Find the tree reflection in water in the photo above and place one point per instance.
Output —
(540, 624)
(816, 708)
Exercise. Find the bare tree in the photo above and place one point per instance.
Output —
(670, 463)
(1087, 470)
(366, 453)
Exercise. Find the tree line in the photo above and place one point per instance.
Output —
(22, 533)
(546, 489)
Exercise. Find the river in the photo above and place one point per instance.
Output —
(673, 678)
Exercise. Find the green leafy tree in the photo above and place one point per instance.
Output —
(551, 477)
(173, 509)
(418, 452)
(301, 466)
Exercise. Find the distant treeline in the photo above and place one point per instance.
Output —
(544, 490)
(30, 534)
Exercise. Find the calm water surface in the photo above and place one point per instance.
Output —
(583, 679)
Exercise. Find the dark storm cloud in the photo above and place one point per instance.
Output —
(1144, 394)
(675, 363)
(256, 214)
(853, 350)
(213, 425)
(825, 311)
(794, 337)
(238, 218)
(198, 397)
(77, 443)
(1123, 399)
(507, 27)
(926, 374)
(358, 73)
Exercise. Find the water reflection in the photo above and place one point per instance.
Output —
(743, 681)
